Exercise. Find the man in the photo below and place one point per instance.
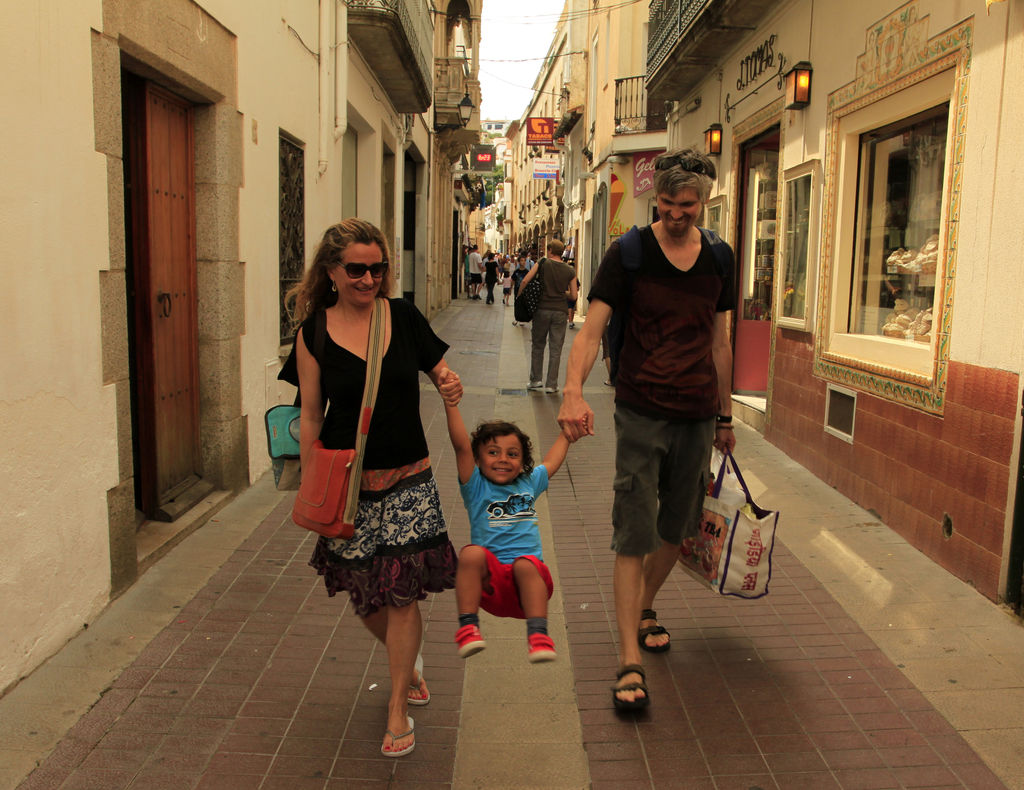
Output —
(476, 269)
(558, 281)
(672, 400)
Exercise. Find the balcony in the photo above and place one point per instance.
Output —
(632, 112)
(686, 38)
(396, 39)
(452, 82)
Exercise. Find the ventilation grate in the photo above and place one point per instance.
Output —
(840, 412)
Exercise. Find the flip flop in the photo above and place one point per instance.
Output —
(651, 630)
(635, 704)
(406, 734)
(418, 687)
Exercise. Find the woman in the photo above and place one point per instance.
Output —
(490, 276)
(400, 550)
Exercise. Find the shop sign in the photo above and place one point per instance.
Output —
(540, 131)
(546, 167)
(643, 171)
(483, 158)
(757, 62)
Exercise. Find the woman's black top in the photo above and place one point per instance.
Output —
(396, 433)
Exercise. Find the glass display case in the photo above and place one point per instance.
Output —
(762, 191)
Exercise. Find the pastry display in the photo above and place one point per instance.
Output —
(922, 261)
(927, 257)
(908, 323)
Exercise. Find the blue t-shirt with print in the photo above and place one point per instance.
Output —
(503, 518)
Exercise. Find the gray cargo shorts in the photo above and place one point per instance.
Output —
(661, 473)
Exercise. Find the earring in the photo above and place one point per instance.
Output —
(334, 287)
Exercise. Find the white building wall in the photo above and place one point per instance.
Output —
(56, 416)
(59, 418)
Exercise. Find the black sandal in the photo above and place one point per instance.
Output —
(652, 630)
(636, 703)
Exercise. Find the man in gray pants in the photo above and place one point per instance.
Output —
(559, 281)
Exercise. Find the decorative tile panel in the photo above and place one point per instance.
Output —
(898, 54)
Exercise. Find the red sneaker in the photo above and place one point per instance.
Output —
(469, 640)
(541, 648)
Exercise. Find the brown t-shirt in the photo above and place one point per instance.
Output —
(557, 276)
(666, 369)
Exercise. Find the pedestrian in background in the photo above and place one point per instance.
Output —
(506, 287)
(476, 277)
(673, 399)
(400, 550)
(570, 301)
(548, 325)
(490, 275)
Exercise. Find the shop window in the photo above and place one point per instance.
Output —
(714, 215)
(892, 178)
(899, 214)
(800, 207)
(891, 195)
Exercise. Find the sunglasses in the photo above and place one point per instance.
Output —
(358, 270)
(689, 163)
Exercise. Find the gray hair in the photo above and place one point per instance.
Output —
(685, 169)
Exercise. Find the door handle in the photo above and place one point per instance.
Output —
(163, 300)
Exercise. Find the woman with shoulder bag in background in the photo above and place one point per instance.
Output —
(400, 550)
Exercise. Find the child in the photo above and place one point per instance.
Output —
(506, 286)
(502, 569)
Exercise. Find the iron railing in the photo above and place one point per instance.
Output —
(631, 111)
(415, 20)
(668, 20)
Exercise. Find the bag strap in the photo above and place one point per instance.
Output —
(727, 460)
(374, 356)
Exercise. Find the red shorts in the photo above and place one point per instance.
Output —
(504, 600)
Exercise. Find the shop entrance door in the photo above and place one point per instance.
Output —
(755, 251)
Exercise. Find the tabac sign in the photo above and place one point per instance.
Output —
(540, 131)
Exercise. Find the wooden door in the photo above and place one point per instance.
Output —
(163, 263)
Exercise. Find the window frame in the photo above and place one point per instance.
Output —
(888, 368)
(915, 360)
(812, 169)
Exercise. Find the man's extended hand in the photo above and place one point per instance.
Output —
(575, 417)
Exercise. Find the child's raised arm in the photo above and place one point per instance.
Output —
(464, 460)
(556, 455)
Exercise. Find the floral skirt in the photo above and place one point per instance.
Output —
(400, 550)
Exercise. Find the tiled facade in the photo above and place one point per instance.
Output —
(911, 467)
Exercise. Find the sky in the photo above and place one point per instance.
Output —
(513, 30)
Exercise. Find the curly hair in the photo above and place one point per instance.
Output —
(314, 292)
(491, 429)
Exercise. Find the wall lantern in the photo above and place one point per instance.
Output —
(466, 107)
(798, 86)
(713, 139)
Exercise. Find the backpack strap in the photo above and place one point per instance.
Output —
(721, 251)
(631, 249)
